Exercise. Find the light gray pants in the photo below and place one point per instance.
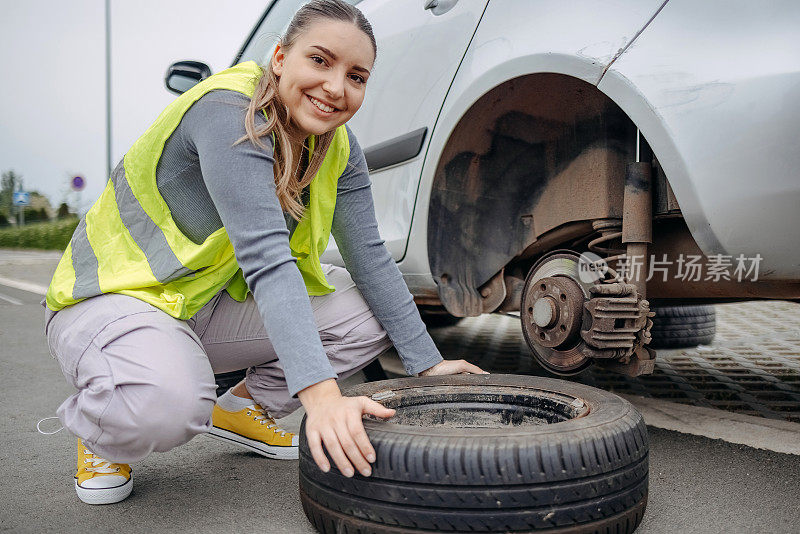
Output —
(145, 380)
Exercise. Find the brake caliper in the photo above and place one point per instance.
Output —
(620, 328)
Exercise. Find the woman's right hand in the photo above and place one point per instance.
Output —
(336, 421)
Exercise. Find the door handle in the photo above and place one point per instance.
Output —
(440, 7)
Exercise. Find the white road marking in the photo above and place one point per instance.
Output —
(27, 257)
(23, 285)
(757, 432)
(12, 300)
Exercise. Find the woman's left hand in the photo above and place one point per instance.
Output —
(453, 367)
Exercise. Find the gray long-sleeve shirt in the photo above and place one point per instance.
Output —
(209, 181)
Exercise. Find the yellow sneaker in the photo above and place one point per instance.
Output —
(254, 429)
(99, 481)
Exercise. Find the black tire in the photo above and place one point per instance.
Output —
(677, 327)
(225, 381)
(586, 471)
(435, 317)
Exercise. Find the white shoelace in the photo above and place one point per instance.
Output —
(39, 428)
(99, 465)
(263, 418)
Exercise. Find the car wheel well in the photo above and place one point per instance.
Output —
(534, 155)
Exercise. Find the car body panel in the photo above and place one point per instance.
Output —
(716, 93)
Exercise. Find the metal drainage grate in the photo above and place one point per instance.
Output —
(752, 367)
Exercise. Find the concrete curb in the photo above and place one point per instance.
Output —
(758, 432)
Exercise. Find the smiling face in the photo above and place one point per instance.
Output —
(322, 76)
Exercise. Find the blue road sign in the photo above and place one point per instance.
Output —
(21, 198)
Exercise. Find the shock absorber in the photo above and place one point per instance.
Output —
(637, 223)
(637, 214)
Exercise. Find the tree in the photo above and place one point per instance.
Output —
(9, 182)
(34, 215)
(39, 202)
(63, 211)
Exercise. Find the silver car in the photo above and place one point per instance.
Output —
(582, 163)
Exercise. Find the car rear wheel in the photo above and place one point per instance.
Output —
(683, 326)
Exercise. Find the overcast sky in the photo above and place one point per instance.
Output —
(52, 95)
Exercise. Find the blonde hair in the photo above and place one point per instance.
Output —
(288, 184)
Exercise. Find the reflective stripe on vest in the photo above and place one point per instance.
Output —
(128, 242)
(85, 263)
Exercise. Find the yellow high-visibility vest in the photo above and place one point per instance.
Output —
(128, 242)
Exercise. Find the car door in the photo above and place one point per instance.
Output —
(420, 45)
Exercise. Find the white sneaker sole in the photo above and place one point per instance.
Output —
(105, 495)
(278, 452)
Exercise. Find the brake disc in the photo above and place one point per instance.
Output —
(552, 312)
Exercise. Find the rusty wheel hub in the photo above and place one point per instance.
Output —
(556, 309)
(552, 312)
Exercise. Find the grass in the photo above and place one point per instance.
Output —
(45, 235)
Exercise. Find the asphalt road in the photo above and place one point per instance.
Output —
(697, 484)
